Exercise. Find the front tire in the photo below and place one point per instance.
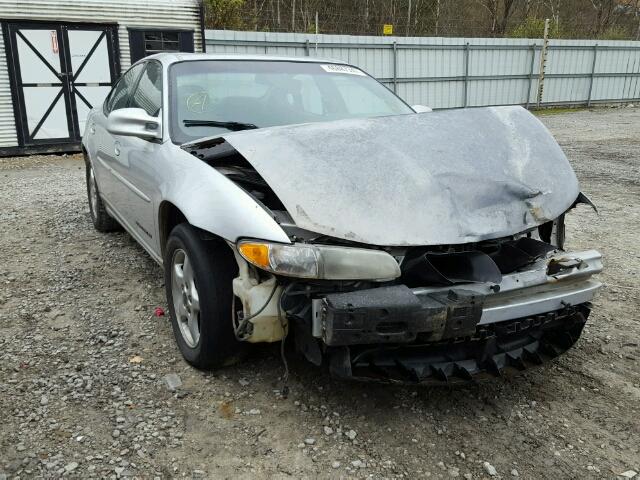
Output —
(198, 277)
(102, 221)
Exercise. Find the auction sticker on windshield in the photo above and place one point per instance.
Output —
(333, 68)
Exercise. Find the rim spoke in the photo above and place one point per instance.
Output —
(187, 272)
(195, 300)
(178, 273)
(181, 312)
(93, 191)
(186, 301)
(194, 328)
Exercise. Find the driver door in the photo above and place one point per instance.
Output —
(109, 167)
(139, 158)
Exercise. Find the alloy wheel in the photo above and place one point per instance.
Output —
(186, 301)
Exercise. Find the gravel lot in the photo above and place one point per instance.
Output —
(83, 359)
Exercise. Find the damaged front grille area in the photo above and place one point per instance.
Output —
(493, 350)
(483, 262)
(450, 332)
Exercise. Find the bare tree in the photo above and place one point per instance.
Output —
(604, 15)
(554, 7)
(498, 16)
(507, 9)
(573, 18)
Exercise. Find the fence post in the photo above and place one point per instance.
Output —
(395, 67)
(531, 70)
(316, 33)
(593, 72)
(306, 47)
(466, 74)
(543, 62)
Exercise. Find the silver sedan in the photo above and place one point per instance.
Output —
(301, 198)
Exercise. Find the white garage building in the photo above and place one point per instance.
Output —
(59, 58)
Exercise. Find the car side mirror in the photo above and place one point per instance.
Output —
(134, 122)
(421, 108)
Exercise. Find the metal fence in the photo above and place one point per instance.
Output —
(456, 72)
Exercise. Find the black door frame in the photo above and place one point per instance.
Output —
(10, 28)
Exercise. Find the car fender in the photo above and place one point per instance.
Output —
(212, 202)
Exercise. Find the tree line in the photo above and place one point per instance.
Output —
(601, 19)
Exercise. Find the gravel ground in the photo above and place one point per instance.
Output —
(83, 360)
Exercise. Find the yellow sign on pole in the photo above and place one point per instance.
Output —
(387, 29)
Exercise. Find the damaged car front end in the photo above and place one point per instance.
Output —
(300, 198)
(421, 248)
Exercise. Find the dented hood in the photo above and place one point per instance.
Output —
(446, 177)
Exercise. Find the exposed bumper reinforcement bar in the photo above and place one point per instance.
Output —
(548, 285)
(532, 302)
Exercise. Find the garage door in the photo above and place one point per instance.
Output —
(58, 72)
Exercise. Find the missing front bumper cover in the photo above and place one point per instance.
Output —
(458, 332)
(494, 350)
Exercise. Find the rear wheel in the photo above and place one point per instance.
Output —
(102, 221)
(198, 282)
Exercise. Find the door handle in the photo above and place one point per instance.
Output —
(92, 128)
(116, 148)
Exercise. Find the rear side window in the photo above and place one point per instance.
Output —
(121, 93)
(148, 93)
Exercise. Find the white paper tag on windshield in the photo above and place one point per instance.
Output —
(335, 68)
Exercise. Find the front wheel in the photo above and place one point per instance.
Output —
(198, 280)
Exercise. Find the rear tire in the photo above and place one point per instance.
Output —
(198, 276)
(102, 221)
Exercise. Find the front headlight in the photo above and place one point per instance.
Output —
(320, 261)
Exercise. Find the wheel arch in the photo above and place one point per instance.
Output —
(219, 208)
(193, 190)
(169, 216)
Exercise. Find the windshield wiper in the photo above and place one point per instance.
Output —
(233, 126)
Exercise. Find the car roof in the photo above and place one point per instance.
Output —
(169, 58)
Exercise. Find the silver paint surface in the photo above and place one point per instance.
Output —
(136, 176)
(446, 177)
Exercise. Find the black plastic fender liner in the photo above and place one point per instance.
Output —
(582, 198)
(514, 255)
(450, 268)
(496, 350)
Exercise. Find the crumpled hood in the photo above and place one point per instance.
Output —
(446, 177)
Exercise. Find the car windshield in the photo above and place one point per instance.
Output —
(216, 96)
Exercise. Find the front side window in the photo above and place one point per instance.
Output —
(148, 93)
(267, 93)
(121, 93)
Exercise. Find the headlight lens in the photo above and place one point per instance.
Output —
(320, 261)
(296, 260)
